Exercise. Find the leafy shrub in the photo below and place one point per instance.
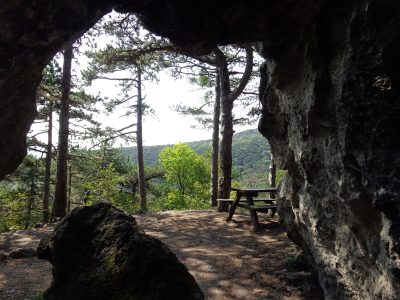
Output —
(13, 207)
(187, 178)
(103, 185)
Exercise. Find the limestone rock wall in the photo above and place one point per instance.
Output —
(333, 120)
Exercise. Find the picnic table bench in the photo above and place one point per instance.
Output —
(269, 205)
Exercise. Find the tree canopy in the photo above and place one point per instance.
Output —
(186, 172)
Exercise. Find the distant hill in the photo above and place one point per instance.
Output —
(251, 151)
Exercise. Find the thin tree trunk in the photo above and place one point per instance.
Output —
(134, 187)
(226, 145)
(31, 198)
(272, 175)
(47, 174)
(60, 201)
(226, 130)
(272, 172)
(139, 142)
(69, 186)
(215, 142)
(227, 99)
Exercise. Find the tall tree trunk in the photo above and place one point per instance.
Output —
(60, 201)
(134, 187)
(69, 186)
(139, 142)
(215, 142)
(272, 172)
(31, 198)
(227, 99)
(272, 176)
(47, 173)
(226, 133)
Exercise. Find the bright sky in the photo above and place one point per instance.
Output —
(167, 126)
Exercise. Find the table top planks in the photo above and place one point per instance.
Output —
(255, 190)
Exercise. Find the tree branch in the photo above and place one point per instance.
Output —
(246, 75)
(203, 59)
(129, 126)
(111, 78)
(111, 138)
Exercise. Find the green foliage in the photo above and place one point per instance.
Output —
(183, 166)
(187, 177)
(205, 81)
(129, 49)
(82, 105)
(20, 196)
(38, 296)
(131, 179)
(98, 175)
(251, 154)
(174, 201)
(13, 209)
(279, 176)
(103, 184)
(201, 71)
(52, 75)
(125, 202)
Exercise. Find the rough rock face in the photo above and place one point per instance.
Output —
(332, 119)
(98, 252)
(330, 92)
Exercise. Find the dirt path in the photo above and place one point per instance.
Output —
(231, 260)
(228, 260)
(27, 277)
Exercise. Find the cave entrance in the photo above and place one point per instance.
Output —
(109, 64)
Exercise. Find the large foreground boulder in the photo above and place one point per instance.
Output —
(98, 252)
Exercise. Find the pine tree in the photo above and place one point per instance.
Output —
(202, 70)
(140, 55)
(60, 199)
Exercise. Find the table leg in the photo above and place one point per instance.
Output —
(253, 214)
(233, 206)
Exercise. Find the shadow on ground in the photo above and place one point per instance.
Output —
(229, 259)
(23, 278)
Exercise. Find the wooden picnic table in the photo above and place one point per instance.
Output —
(250, 194)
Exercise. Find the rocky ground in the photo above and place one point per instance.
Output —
(23, 278)
(228, 260)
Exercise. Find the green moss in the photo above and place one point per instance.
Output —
(38, 296)
(115, 260)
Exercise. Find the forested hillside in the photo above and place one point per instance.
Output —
(251, 152)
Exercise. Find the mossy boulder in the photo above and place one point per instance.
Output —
(98, 252)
